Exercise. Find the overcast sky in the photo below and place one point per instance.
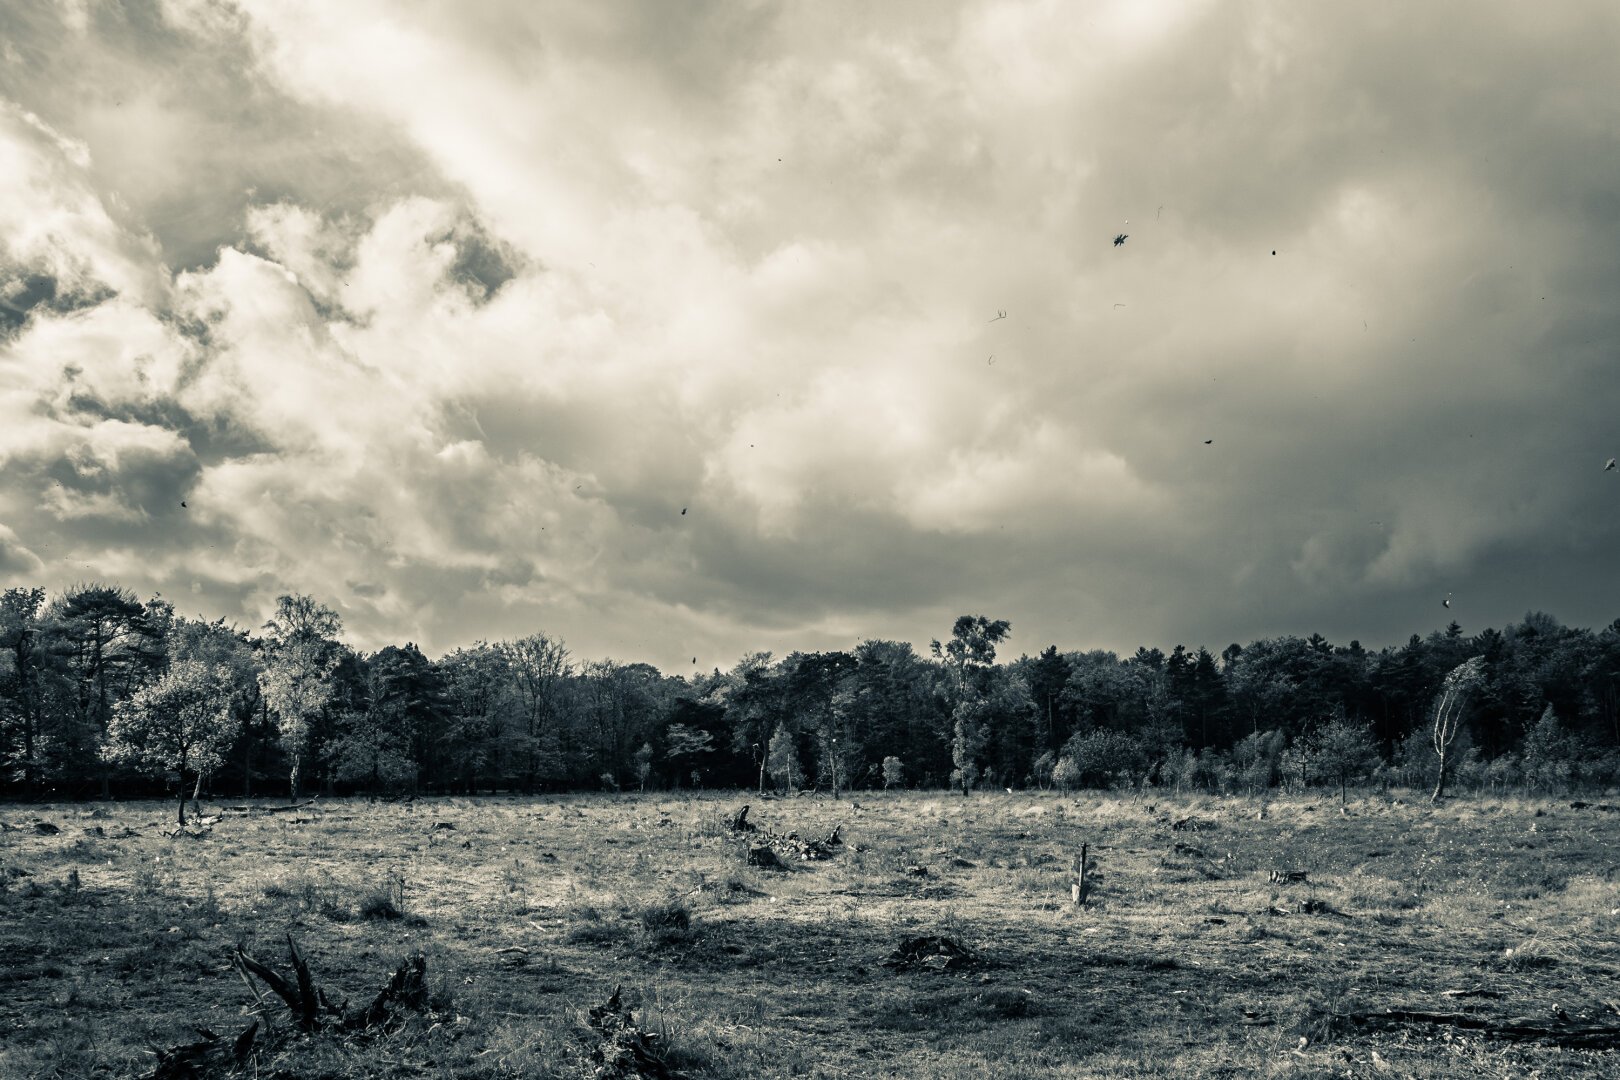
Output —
(674, 330)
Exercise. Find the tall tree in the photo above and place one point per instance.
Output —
(1449, 711)
(1048, 674)
(540, 670)
(299, 680)
(966, 657)
(480, 699)
(814, 683)
(105, 639)
(22, 685)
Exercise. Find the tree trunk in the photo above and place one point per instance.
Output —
(294, 778)
(1440, 781)
(196, 796)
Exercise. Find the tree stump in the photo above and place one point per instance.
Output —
(763, 857)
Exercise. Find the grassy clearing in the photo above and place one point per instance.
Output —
(1188, 960)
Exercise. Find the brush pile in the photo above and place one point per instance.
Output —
(787, 848)
(935, 953)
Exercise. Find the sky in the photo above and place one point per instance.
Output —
(679, 331)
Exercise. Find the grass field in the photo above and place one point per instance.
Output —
(1186, 961)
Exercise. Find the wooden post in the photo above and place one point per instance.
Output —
(1078, 889)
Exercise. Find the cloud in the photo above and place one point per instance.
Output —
(445, 317)
(15, 559)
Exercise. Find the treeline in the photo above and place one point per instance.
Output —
(102, 693)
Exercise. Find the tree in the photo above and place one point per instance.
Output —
(1464, 679)
(22, 689)
(540, 668)
(684, 744)
(969, 653)
(479, 698)
(1104, 758)
(813, 684)
(229, 650)
(104, 639)
(1549, 753)
(1256, 759)
(782, 760)
(643, 760)
(1047, 676)
(182, 723)
(893, 772)
(1341, 751)
(298, 681)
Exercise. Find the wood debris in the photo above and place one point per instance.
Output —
(268, 809)
(1561, 1031)
(405, 990)
(790, 847)
(622, 1050)
(934, 952)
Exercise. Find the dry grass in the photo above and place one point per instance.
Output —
(1187, 962)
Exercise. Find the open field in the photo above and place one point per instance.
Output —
(1186, 961)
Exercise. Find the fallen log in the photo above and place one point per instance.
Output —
(1566, 1034)
(268, 809)
(1288, 877)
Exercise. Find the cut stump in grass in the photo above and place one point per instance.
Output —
(1080, 887)
(312, 1010)
(763, 857)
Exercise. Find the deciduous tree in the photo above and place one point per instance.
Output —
(1449, 712)
(182, 723)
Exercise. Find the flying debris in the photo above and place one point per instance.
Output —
(1208, 442)
(183, 502)
(1447, 601)
(1000, 314)
(1120, 239)
(694, 659)
(683, 511)
(1608, 466)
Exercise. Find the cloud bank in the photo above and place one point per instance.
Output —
(679, 333)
